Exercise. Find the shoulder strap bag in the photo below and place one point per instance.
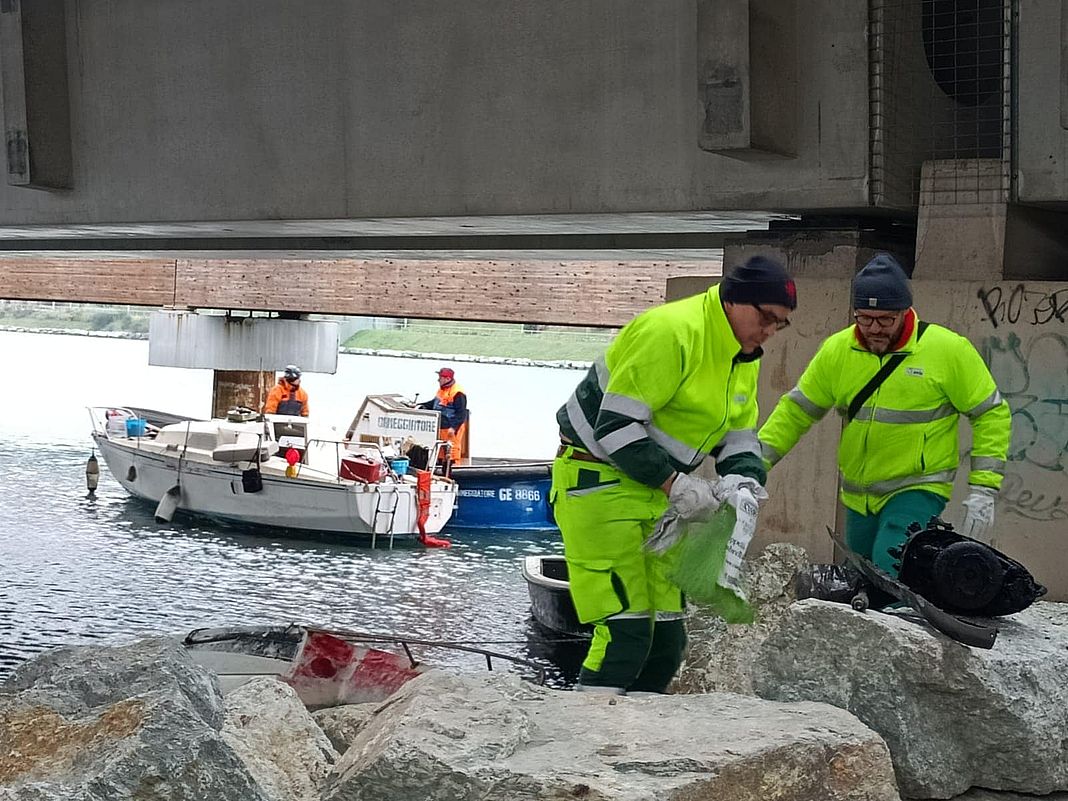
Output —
(888, 367)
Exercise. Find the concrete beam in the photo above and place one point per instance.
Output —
(87, 279)
(554, 293)
(551, 292)
(36, 103)
(747, 77)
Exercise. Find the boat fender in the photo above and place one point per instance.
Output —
(92, 473)
(423, 484)
(252, 480)
(168, 504)
(131, 474)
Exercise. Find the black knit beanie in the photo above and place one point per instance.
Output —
(760, 280)
(881, 284)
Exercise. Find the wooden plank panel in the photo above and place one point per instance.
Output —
(599, 293)
(84, 279)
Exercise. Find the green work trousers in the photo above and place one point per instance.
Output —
(636, 611)
(873, 535)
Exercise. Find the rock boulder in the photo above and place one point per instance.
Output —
(953, 717)
(447, 738)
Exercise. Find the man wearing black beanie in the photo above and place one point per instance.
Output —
(677, 383)
(901, 384)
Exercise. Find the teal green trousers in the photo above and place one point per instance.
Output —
(873, 535)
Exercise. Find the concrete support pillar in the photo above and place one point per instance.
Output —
(969, 229)
(246, 388)
(994, 271)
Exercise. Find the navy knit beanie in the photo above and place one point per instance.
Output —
(759, 280)
(881, 284)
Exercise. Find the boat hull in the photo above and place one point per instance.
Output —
(550, 597)
(217, 492)
(503, 495)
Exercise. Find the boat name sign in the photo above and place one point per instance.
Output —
(503, 493)
(407, 424)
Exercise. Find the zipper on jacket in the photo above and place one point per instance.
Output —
(726, 411)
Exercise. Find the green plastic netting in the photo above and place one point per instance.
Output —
(695, 564)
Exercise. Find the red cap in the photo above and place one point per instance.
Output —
(447, 372)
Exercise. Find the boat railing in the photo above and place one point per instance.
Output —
(343, 447)
(98, 417)
(284, 641)
(405, 643)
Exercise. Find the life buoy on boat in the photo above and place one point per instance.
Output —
(422, 499)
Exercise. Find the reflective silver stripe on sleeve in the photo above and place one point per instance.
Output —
(985, 406)
(894, 484)
(904, 416)
(735, 442)
(601, 367)
(628, 407)
(988, 463)
(622, 437)
(583, 428)
(679, 451)
(807, 406)
(770, 453)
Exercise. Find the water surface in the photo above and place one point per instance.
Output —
(77, 569)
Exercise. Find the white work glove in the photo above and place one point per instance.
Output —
(692, 497)
(978, 513)
(735, 490)
(695, 498)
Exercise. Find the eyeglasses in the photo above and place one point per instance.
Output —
(876, 320)
(767, 319)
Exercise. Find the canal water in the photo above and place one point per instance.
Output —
(77, 569)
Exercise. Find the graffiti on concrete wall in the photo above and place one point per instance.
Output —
(1018, 305)
(1032, 374)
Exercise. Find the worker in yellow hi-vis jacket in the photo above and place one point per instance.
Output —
(901, 385)
(677, 383)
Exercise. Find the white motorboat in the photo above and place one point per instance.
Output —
(233, 470)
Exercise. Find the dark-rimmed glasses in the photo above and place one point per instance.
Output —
(767, 319)
(876, 320)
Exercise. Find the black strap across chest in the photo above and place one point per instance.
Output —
(876, 381)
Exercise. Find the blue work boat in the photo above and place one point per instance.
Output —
(503, 494)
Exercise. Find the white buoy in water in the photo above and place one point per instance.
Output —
(168, 504)
(92, 473)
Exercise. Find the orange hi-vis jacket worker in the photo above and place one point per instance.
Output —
(287, 397)
(451, 403)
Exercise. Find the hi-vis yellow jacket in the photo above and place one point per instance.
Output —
(905, 435)
(672, 387)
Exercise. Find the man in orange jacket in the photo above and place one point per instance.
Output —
(287, 397)
(451, 403)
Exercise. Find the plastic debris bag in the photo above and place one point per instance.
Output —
(838, 583)
(706, 559)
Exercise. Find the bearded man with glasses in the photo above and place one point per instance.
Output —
(901, 386)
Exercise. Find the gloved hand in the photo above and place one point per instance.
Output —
(978, 513)
(736, 489)
(692, 497)
(696, 498)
